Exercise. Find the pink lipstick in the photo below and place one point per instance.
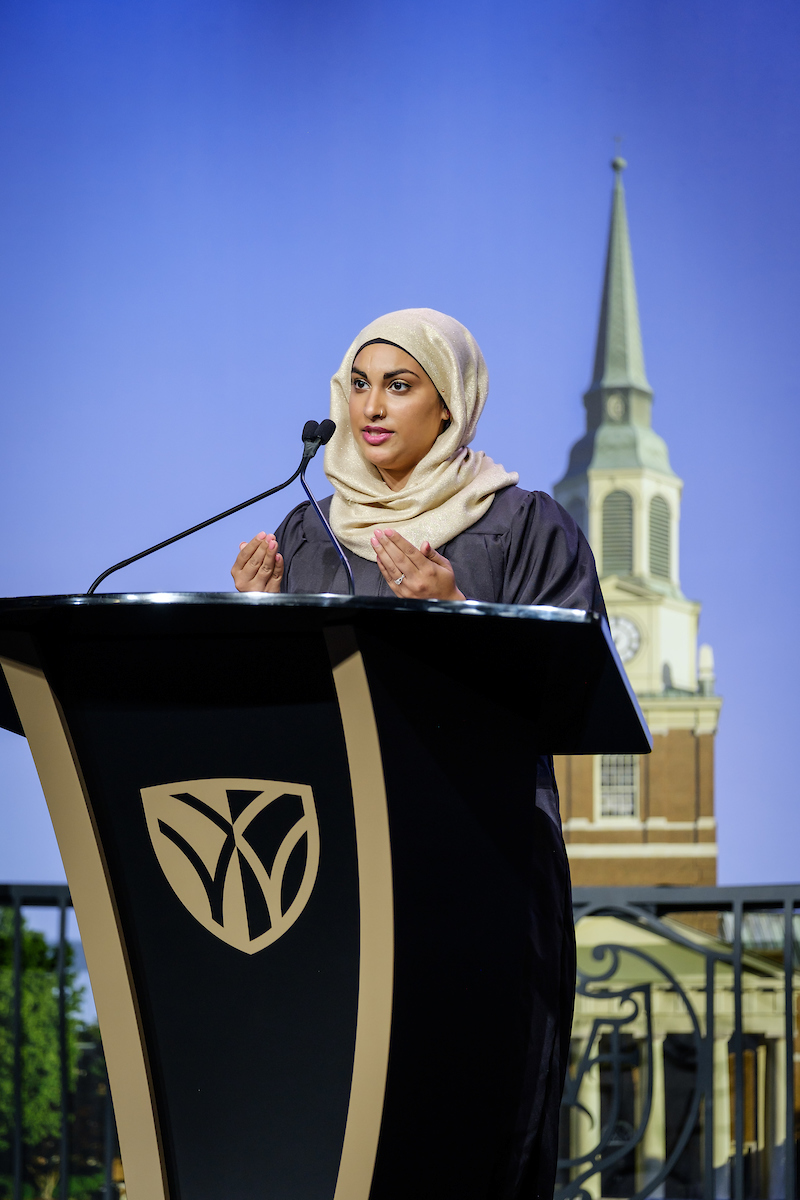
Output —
(374, 435)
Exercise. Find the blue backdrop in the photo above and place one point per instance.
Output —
(202, 201)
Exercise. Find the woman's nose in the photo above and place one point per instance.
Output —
(373, 407)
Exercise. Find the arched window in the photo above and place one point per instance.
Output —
(618, 534)
(659, 537)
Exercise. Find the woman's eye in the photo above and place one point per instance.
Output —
(397, 385)
(359, 384)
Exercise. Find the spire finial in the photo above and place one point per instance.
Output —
(619, 361)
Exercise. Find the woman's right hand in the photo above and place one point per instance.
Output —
(258, 566)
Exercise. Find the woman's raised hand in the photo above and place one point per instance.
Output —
(258, 566)
(414, 574)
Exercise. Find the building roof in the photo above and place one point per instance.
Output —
(619, 358)
(619, 400)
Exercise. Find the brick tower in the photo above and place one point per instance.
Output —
(631, 820)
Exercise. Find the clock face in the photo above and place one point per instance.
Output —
(626, 637)
(615, 406)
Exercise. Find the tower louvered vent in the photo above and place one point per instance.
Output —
(659, 537)
(618, 534)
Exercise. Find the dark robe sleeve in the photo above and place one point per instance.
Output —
(299, 556)
(289, 534)
(548, 559)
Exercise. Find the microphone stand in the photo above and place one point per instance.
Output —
(311, 444)
(326, 436)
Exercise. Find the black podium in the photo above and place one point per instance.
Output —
(298, 832)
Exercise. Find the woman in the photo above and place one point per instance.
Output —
(421, 516)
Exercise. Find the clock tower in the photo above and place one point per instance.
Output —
(647, 820)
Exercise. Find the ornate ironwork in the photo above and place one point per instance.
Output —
(610, 1150)
(620, 1039)
(619, 1042)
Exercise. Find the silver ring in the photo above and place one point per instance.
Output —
(400, 580)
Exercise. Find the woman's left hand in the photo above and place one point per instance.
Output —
(414, 574)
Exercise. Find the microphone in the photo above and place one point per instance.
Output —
(322, 436)
(311, 444)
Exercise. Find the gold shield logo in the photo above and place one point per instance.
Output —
(240, 854)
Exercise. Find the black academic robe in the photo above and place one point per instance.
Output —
(525, 550)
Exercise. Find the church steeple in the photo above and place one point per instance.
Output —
(619, 485)
(628, 821)
(619, 359)
(619, 400)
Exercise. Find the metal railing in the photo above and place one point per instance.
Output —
(707, 976)
(697, 985)
(40, 1116)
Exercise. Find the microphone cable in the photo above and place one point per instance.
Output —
(325, 432)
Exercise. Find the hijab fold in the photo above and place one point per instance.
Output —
(453, 486)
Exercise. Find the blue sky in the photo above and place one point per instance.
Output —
(202, 201)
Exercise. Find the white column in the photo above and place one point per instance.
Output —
(761, 1095)
(652, 1150)
(722, 1118)
(776, 1144)
(585, 1126)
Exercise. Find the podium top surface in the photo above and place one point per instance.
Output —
(540, 659)
(14, 608)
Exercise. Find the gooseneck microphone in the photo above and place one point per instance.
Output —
(325, 432)
(311, 444)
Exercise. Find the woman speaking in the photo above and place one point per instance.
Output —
(421, 516)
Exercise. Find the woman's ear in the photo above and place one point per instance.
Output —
(445, 417)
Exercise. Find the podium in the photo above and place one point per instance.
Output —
(306, 862)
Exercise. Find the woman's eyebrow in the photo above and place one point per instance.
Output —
(387, 374)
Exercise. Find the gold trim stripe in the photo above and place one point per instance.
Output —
(66, 798)
(376, 962)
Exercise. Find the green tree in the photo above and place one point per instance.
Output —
(41, 1051)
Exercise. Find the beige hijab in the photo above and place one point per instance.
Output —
(453, 486)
